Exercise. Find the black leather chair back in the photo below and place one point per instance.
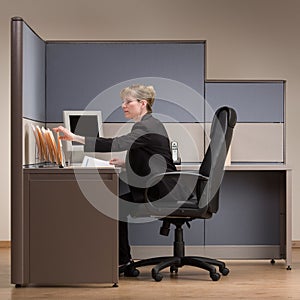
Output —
(214, 160)
(184, 195)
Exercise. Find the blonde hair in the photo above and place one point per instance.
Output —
(140, 92)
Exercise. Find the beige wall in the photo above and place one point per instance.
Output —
(246, 39)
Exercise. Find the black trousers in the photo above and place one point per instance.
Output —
(124, 247)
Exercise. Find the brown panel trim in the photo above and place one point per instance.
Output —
(295, 244)
(121, 41)
(17, 240)
(5, 244)
(245, 81)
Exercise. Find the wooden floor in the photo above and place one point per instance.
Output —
(246, 280)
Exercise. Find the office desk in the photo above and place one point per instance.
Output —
(283, 176)
(59, 237)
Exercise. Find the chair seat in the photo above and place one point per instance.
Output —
(188, 210)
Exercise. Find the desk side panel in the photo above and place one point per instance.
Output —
(70, 240)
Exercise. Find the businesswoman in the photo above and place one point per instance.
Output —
(148, 151)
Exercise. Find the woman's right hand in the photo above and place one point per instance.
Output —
(117, 162)
(67, 134)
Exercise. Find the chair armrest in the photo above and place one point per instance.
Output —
(187, 182)
(176, 174)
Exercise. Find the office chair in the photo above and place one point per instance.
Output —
(192, 196)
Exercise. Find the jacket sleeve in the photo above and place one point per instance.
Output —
(136, 138)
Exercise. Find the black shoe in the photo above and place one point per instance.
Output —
(128, 269)
(122, 267)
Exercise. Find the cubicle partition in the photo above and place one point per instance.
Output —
(89, 75)
(48, 77)
(260, 132)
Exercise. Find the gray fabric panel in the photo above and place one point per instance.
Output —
(33, 76)
(253, 101)
(249, 214)
(81, 73)
(148, 234)
(249, 211)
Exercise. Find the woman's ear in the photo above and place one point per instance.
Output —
(144, 102)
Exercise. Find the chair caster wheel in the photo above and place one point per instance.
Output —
(156, 276)
(225, 271)
(215, 276)
(129, 270)
(132, 272)
(174, 269)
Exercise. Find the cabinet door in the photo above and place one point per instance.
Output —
(70, 241)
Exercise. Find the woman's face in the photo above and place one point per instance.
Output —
(132, 108)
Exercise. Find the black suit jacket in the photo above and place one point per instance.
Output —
(148, 152)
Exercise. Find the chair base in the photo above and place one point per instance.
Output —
(178, 259)
(177, 262)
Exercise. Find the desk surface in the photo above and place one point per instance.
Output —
(239, 167)
(71, 169)
(183, 167)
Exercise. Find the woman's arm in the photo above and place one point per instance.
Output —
(136, 138)
(68, 135)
